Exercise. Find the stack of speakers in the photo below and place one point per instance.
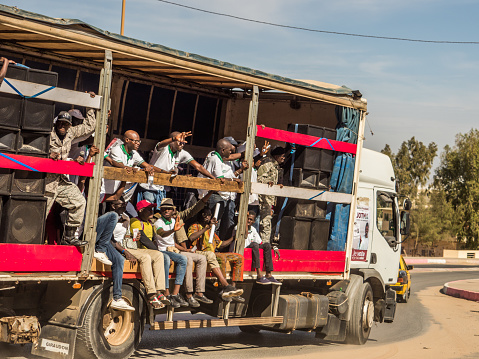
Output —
(25, 127)
(303, 225)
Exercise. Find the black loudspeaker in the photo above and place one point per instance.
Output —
(5, 181)
(11, 105)
(302, 208)
(32, 143)
(319, 235)
(28, 183)
(294, 233)
(23, 220)
(38, 114)
(310, 179)
(8, 139)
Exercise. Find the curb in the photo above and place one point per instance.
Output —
(450, 290)
(457, 261)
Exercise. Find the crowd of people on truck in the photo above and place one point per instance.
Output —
(141, 224)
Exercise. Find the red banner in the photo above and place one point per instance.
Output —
(305, 140)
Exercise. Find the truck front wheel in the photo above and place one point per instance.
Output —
(111, 334)
(362, 316)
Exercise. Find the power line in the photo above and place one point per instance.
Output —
(321, 31)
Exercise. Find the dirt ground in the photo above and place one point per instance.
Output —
(453, 334)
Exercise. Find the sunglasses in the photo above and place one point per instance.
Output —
(134, 141)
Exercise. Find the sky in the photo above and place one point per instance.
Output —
(424, 90)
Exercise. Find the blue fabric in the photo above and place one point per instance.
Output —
(180, 265)
(342, 177)
(151, 196)
(167, 262)
(104, 230)
(116, 269)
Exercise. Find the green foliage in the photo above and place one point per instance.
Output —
(412, 165)
(458, 176)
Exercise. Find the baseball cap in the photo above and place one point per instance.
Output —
(76, 113)
(64, 116)
(167, 203)
(144, 204)
(231, 140)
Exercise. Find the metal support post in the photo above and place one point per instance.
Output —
(250, 144)
(169, 313)
(226, 309)
(275, 291)
(91, 213)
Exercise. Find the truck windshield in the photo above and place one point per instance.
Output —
(386, 216)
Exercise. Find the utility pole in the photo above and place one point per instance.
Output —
(122, 31)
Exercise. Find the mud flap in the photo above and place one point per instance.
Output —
(335, 329)
(55, 342)
(390, 306)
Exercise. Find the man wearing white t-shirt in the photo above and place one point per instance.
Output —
(215, 164)
(167, 155)
(126, 156)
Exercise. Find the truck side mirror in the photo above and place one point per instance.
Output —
(405, 223)
(407, 204)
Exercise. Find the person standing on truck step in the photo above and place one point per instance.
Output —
(268, 173)
(151, 261)
(126, 156)
(253, 241)
(167, 155)
(199, 235)
(215, 164)
(58, 188)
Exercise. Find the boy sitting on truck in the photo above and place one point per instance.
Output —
(199, 234)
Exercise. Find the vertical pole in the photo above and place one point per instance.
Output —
(95, 182)
(122, 30)
(250, 141)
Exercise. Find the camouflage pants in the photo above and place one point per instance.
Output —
(67, 195)
(265, 204)
(236, 263)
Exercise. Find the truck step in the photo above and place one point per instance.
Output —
(215, 323)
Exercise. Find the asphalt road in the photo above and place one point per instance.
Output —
(411, 320)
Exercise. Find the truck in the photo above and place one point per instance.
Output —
(339, 223)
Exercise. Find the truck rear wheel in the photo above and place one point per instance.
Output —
(111, 334)
(362, 316)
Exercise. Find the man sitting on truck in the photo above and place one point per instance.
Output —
(167, 155)
(58, 188)
(199, 235)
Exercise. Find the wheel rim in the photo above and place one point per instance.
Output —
(368, 313)
(117, 325)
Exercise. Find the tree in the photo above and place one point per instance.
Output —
(412, 165)
(458, 175)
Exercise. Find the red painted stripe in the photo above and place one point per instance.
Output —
(325, 262)
(304, 140)
(47, 165)
(39, 258)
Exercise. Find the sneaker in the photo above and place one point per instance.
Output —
(202, 299)
(263, 281)
(102, 257)
(230, 291)
(173, 302)
(121, 304)
(273, 281)
(238, 299)
(179, 299)
(192, 302)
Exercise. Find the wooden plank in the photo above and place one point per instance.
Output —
(215, 323)
(164, 179)
(56, 94)
(302, 193)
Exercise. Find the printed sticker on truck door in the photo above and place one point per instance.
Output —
(361, 233)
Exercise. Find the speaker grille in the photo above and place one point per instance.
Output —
(294, 233)
(28, 183)
(43, 77)
(25, 221)
(33, 143)
(11, 107)
(5, 181)
(8, 140)
(38, 115)
(319, 235)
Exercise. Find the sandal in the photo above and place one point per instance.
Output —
(163, 299)
(155, 303)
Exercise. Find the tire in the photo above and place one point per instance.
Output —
(405, 297)
(250, 329)
(123, 329)
(362, 315)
